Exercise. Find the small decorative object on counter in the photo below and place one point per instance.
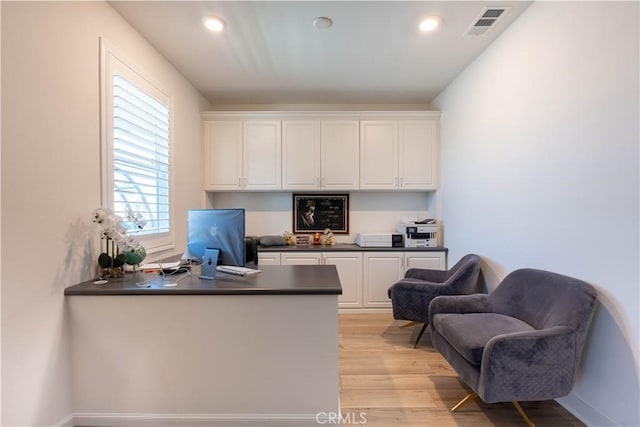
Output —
(316, 239)
(328, 237)
(288, 237)
(304, 240)
(119, 248)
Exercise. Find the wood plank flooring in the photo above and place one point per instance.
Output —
(384, 382)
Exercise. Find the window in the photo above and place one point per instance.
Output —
(136, 148)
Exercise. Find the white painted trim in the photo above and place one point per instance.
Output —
(193, 420)
(363, 310)
(67, 421)
(113, 58)
(354, 115)
(584, 412)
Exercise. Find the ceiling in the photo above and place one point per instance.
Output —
(270, 52)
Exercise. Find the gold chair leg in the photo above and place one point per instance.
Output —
(410, 324)
(523, 414)
(468, 398)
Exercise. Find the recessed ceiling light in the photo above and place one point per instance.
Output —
(213, 23)
(322, 23)
(430, 23)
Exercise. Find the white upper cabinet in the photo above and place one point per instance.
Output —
(417, 154)
(379, 154)
(222, 142)
(241, 155)
(301, 154)
(320, 154)
(398, 154)
(262, 155)
(340, 155)
(320, 151)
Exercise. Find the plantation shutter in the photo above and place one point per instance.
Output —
(141, 131)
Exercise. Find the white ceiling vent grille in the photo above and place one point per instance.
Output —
(486, 21)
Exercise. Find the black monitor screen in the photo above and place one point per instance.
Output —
(221, 229)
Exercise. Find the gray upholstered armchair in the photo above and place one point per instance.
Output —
(410, 297)
(521, 342)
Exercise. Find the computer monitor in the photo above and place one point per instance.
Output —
(221, 229)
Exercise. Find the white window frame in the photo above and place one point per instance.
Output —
(113, 61)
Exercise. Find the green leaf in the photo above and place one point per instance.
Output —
(104, 260)
(120, 260)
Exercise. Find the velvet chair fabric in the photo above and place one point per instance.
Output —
(521, 342)
(410, 297)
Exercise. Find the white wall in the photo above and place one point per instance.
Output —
(540, 169)
(369, 212)
(51, 182)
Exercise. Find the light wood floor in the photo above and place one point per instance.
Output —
(387, 383)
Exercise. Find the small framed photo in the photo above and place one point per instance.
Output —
(314, 213)
(304, 240)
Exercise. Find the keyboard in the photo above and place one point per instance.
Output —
(238, 271)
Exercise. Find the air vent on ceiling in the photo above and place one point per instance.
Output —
(486, 21)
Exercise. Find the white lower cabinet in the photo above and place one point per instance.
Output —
(268, 258)
(348, 264)
(428, 260)
(383, 269)
(365, 276)
(301, 258)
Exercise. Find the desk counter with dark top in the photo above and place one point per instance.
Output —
(272, 280)
(259, 348)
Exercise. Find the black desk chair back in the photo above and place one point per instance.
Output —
(250, 250)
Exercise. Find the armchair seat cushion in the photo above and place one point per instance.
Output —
(469, 333)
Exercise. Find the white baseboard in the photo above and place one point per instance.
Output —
(198, 420)
(361, 310)
(585, 412)
(67, 421)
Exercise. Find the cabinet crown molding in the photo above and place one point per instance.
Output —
(353, 115)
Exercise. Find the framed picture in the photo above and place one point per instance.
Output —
(314, 213)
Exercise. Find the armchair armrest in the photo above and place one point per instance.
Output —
(517, 366)
(437, 276)
(473, 303)
(420, 293)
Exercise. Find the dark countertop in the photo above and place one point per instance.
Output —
(272, 280)
(345, 247)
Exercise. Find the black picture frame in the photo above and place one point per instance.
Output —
(314, 213)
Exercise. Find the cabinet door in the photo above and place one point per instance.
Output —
(262, 155)
(418, 154)
(381, 270)
(349, 266)
(301, 258)
(340, 158)
(428, 260)
(378, 154)
(268, 258)
(301, 154)
(222, 141)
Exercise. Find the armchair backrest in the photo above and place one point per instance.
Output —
(465, 260)
(463, 276)
(544, 299)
